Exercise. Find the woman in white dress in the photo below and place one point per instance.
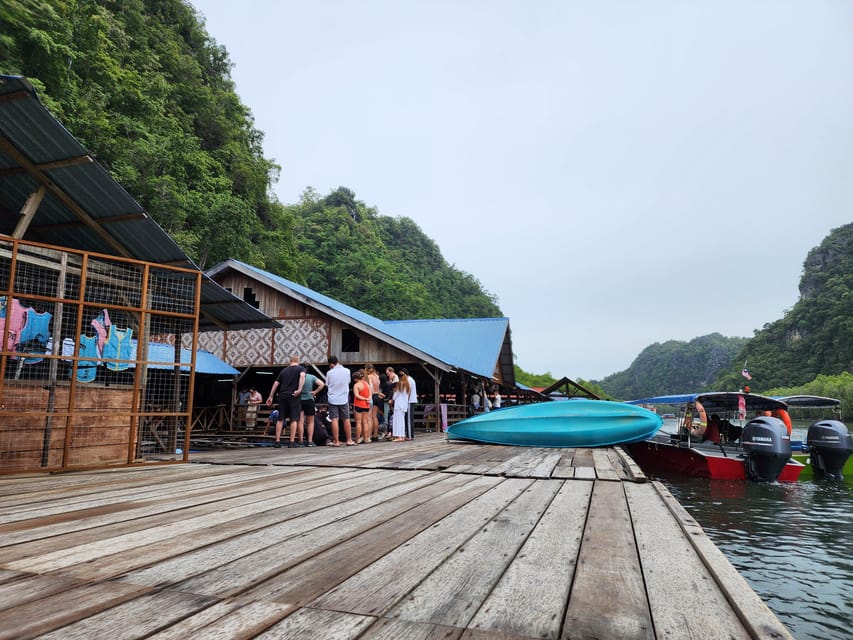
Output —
(401, 405)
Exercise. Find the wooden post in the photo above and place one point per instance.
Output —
(54, 363)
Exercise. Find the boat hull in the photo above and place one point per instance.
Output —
(661, 456)
(570, 423)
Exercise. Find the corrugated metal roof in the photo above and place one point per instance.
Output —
(83, 207)
(473, 345)
(162, 356)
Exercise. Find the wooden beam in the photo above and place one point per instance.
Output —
(15, 95)
(104, 222)
(29, 211)
(47, 166)
(9, 149)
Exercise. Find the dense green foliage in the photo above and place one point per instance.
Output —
(674, 367)
(385, 266)
(816, 336)
(144, 87)
(838, 386)
(533, 380)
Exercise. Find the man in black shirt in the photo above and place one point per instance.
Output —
(289, 383)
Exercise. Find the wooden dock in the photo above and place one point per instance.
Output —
(421, 540)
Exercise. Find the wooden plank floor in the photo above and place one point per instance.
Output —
(424, 540)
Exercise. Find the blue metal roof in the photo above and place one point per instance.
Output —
(306, 293)
(474, 345)
(162, 356)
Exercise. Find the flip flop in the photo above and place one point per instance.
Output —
(334, 444)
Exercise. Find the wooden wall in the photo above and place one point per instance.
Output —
(98, 436)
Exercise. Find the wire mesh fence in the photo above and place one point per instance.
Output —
(91, 372)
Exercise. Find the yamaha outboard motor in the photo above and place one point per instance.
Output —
(830, 444)
(768, 448)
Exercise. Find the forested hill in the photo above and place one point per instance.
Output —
(813, 339)
(674, 367)
(385, 266)
(146, 89)
(816, 336)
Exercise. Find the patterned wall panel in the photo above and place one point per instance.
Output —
(306, 337)
(249, 347)
(212, 341)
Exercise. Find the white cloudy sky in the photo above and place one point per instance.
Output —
(616, 172)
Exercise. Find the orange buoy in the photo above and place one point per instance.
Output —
(784, 417)
(699, 430)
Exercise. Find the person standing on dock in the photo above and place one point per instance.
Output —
(361, 407)
(255, 400)
(290, 380)
(413, 400)
(337, 385)
(400, 400)
(376, 399)
(310, 389)
(242, 405)
(388, 383)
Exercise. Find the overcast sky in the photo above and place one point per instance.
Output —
(616, 173)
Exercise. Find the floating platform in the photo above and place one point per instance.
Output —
(425, 539)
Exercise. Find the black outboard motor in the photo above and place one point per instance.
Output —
(830, 444)
(768, 447)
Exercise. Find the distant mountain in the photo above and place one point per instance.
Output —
(816, 336)
(674, 367)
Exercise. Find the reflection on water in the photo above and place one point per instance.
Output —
(791, 541)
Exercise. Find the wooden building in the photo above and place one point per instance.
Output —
(447, 357)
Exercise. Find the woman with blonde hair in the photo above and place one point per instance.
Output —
(361, 406)
(401, 406)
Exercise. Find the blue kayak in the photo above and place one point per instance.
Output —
(570, 423)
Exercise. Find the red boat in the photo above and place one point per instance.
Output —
(722, 436)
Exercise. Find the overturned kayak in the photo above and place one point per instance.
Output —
(570, 423)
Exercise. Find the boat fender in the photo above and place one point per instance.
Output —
(698, 430)
(784, 417)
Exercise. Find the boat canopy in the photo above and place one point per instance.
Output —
(679, 398)
(719, 401)
(810, 402)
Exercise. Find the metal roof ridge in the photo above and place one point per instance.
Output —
(368, 323)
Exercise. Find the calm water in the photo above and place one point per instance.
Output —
(793, 542)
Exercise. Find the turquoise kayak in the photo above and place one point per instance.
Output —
(569, 423)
